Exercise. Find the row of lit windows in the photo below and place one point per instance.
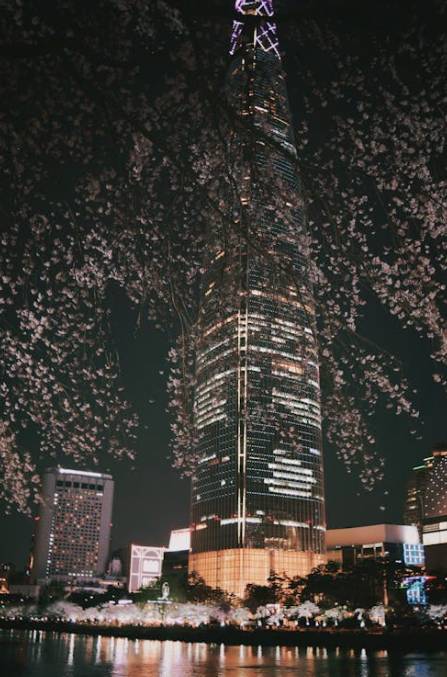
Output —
(68, 484)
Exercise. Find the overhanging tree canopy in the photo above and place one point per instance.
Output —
(113, 124)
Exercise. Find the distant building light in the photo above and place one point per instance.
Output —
(179, 540)
(86, 473)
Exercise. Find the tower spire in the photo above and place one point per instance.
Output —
(264, 34)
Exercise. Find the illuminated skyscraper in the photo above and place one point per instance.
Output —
(426, 506)
(257, 496)
(435, 511)
(72, 535)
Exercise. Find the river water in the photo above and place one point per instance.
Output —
(28, 654)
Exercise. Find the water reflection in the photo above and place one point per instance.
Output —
(34, 654)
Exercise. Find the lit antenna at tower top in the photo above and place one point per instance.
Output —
(264, 32)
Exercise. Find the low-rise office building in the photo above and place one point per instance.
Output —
(397, 542)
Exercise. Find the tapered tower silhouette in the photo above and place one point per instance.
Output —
(257, 494)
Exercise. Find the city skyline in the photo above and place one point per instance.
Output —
(125, 534)
(156, 485)
(223, 337)
(166, 497)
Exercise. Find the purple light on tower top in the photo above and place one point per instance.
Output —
(264, 34)
(259, 7)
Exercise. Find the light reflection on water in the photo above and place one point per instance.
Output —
(27, 654)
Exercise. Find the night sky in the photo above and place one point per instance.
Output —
(152, 498)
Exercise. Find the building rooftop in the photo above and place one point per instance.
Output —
(179, 540)
(373, 533)
(83, 473)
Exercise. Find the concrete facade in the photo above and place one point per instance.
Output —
(72, 535)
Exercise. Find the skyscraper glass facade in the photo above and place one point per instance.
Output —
(426, 506)
(257, 496)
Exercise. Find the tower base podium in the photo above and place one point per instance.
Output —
(233, 569)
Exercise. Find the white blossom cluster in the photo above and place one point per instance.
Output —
(117, 174)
